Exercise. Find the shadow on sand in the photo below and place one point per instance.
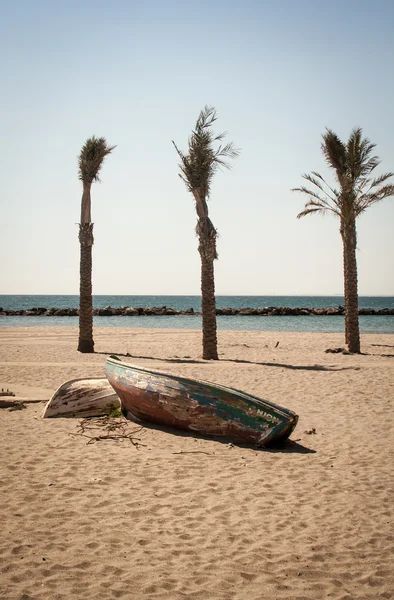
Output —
(234, 360)
(383, 345)
(283, 447)
(381, 355)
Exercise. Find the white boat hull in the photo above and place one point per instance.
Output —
(82, 398)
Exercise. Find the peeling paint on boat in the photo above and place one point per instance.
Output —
(197, 405)
(82, 398)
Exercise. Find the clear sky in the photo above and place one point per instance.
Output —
(138, 73)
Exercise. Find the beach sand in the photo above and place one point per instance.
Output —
(187, 517)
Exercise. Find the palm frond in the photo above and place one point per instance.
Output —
(360, 163)
(308, 211)
(199, 165)
(184, 164)
(316, 203)
(334, 192)
(335, 153)
(315, 179)
(227, 151)
(91, 158)
(366, 200)
(353, 164)
(220, 136)
(381, 179)
(370, 165)
(206, 117)
(310, 193)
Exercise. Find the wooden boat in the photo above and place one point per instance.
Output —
(197, 406)
(82, 398)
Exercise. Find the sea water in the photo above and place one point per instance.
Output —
(368, 324)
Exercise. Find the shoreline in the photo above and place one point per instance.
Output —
(182, 514)
(381, 325)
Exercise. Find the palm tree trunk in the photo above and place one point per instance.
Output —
(345, 281)
(86, 204)
(208, 309)
(86, 343)
(207, 248)
(351, 293)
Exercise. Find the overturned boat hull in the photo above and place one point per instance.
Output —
(82, 398)
(198, 406)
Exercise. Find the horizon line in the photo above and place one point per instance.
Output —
(340, 295)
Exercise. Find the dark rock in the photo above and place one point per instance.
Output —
(159, 310)
(293, 312)
(366, 311)
(319, 311)
(225, 311)
(246, 312)
(105, 312)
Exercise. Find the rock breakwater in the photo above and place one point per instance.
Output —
(158, 311)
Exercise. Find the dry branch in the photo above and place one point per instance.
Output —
(114, 429)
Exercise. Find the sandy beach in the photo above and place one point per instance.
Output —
(186, 517)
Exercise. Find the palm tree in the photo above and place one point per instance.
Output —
(197, 168)
(353, 165)
(90, 161)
